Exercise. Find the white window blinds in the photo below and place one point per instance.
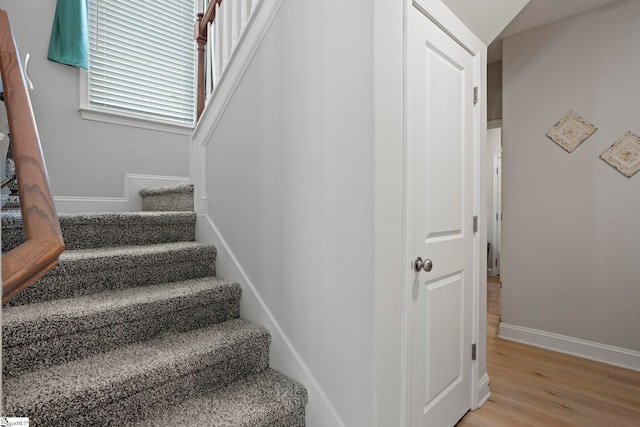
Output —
(142, 58)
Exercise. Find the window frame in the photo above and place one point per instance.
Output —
(106, 115)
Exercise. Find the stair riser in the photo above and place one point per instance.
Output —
(169, 198)
(168, 202)
(110, 230)
(58, 342)
(79, 277)
(145, 404)
(143, 233)
(295, 419)
(266, 399)
(140, 398)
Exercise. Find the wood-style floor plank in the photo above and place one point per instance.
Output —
(534, 387)
(493, 296)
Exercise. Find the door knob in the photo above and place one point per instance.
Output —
(419, 264)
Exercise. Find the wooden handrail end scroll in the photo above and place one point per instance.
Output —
(25, 264)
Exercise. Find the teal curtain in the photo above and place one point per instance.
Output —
(69, 42)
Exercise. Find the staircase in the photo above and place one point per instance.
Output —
(133, 328)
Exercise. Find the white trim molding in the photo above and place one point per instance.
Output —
(283, 356)
(591, 350)
(130, 202)
(254, 33)
(444, 18)
(106, 116)
(483, 390)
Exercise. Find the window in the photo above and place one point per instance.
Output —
(142, 59)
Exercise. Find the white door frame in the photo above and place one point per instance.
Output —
(442, 16)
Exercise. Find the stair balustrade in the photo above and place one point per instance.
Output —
(217, 32)
(25, 264)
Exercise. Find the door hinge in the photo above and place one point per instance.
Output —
(475, 224)
(475, 95)
(473, 352)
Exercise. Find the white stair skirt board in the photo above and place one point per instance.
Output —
(131, 201)
(598, 352)
(283, 356)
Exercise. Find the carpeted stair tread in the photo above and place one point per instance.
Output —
(85, 271)
(84, 392)
(98, 309)
(91, 230)
(127, 251)
(54, 332)
(265, 399)
(177, 197)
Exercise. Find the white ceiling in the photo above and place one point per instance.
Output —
(542, 12)
(486, 18)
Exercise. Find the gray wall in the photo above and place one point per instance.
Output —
(571, 229)
(84, 158)
(494, 91)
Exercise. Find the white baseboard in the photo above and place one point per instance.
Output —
(604, 353)
(130, 202)
(483, 390)
(283, 356)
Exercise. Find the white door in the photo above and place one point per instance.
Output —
(440, 203)
(497, 208)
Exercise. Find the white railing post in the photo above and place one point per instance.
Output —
(227, 31)
(218, 47)
(235, 20)
(208, 65)
(244, 11)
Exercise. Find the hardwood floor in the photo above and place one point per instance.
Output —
(493, 296)
(533, 387)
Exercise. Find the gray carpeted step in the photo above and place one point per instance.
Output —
(98, 230)
(55, 332)
(168, 198)
(86, 271)
(133, 327)
(266, 399)
(133, 383)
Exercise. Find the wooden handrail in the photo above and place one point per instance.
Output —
(202, 22)
(26, 263)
